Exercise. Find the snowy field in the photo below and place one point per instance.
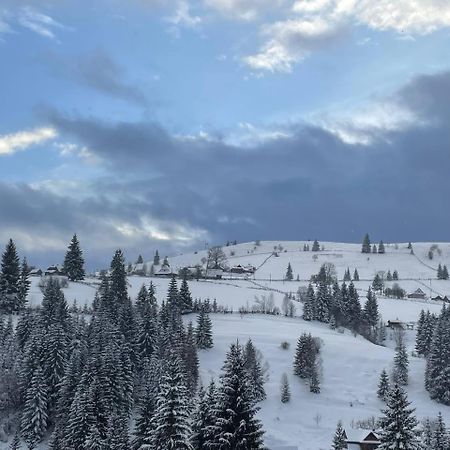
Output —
(351, 365)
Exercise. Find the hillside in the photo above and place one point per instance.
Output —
(351, 365)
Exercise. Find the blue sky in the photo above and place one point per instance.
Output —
(167, 124)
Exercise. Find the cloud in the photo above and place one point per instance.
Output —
(182, 16)
(38, 22)
(315, 24)
(246, 10)
(97, 71)
(11, 143)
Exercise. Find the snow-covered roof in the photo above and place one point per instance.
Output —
(359, 435)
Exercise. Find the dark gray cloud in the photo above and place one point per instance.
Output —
(98, 71)
(308, 185)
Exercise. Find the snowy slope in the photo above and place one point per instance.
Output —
(351, 365)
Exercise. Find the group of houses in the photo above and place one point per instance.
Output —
(420, 294)
(54, 271)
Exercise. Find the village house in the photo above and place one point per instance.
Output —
(362, 440)
(418, 293)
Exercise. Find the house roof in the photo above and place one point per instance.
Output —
(359, 436)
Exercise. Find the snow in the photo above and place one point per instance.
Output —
(351, 365)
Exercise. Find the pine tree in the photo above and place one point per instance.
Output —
(305, 356)
(398, 423)
(445, 275)
(314, 382)
(185, 296)
(285, 390)
(15, 443)
(309, 307)
(203, 331)
(204, 418)
(94, 440)
(381, 248)
(347, 276)
(400, 371)
(315, 246)
(339, 440)
(236, 426)
(395, 275)
(440, 440)
(383, 386)
(9, 279)
(289, 276)
(353, 307)
(355, 275)
(172, 417)
(366, 244)
(254, 372)
(191, 362)
(439, 272)
(142, 300)
(374, 249)
(73, 261)
(323, 302)
(371, 309)
(118, 283)
(24, 285)
(389, 275)
(35, 411)
(377, 283)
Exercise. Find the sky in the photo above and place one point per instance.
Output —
(177, 124)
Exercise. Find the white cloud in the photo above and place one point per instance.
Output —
(246, 10)
(70, 149)
(11, 143)
(182, 16)
(312, 24)
(39, 23)
(291, 41)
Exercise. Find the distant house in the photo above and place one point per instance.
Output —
(54, 271)
(396, 325)
(418, 293)
(214, 273)
(165, 271)
(362, 440)
(248, 269)
(35, 272)
(438, 298)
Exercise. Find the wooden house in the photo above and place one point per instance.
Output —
(362, 440)
(418, 293)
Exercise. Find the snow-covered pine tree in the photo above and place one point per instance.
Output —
(74, 261)
(347, 276)
(204, 418)
(94, 440)
(117, 437)
(203, 330)
(439, 272)
(398, 423)
(172, 429)
(353, 307)
(381, 248)
(383, 386)
(371, 309)
(191, 362)
(15, 443)
(142, 300)
(323, 302)
(315, 246)
(254, 371)
(285, 391)
(185, 296)
(389, 275)
(339, 440)
(401, 363)
(445, 274)
(314, 381)
(35, 411)
(440, 440)
(24, 285)
(289, 275)
(377, 283)
(118, 282)
(9, 279)
(305, 356)
(395, 275)
(355, 275)
(236, 426)
(309, 307)
(366, 244)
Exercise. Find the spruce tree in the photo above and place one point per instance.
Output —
(366, 244)
(236, 426)
(309, 307)
(284, 389)
(191, 362)
(24, 285)
(203, 331)
(439, 272)
(355, 275)
(395, 275)
(289, 275)
(445, 274)
(353, 307)
(73, 261)
(254, 371)
(381, 248)
(315, 246)
(347, 276)
(314, 382)
(377, 283)
(389, 275)
(9, 279)
(371, 309)
(383, 386)
(204, 418)
(172, 429)
(35, 411)
(185, 296)
(339, 440)
(440, 440)
(398, 423)
(15, 443)
(374, 249)
(305, 356)
(400, 371)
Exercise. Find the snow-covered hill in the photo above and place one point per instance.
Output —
(351, 365)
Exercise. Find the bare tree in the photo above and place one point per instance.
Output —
(216, 258)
